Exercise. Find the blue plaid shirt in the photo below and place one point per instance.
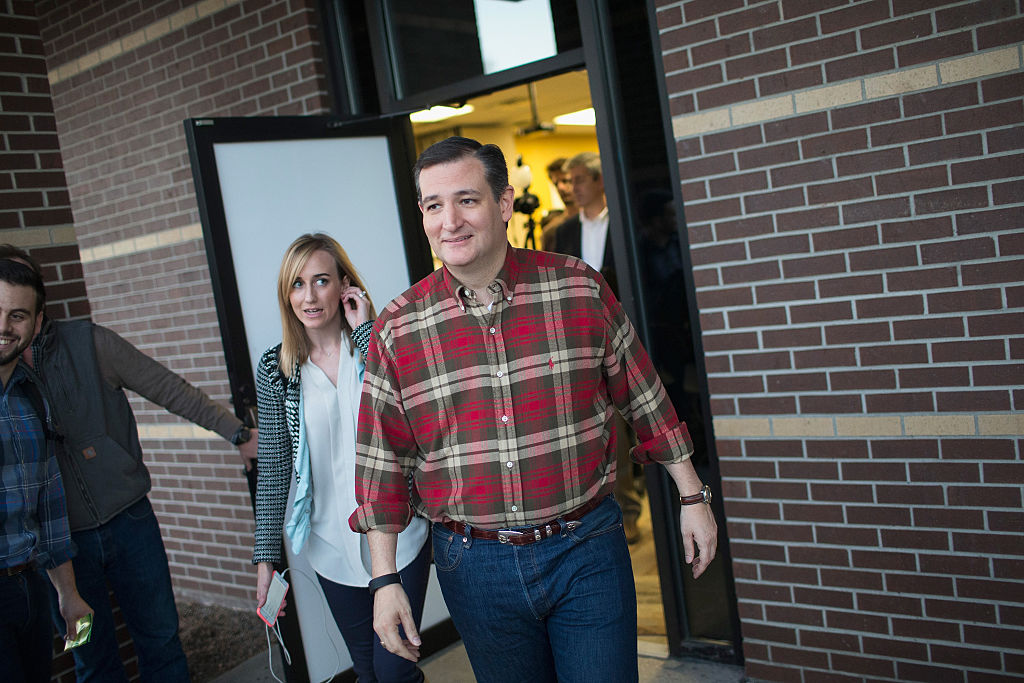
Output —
(33, 514)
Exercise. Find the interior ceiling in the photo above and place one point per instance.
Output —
(557, 95)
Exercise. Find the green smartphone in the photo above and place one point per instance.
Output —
(83, 628)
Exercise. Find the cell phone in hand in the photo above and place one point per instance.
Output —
(83, 631)
(275, 598)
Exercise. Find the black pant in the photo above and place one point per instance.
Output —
(352, 608)
(26, 638)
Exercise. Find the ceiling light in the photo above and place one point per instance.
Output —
(439, 113)
(583, 117)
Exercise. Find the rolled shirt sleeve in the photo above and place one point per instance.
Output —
(638, 392)
(55, 546)
(385, 449)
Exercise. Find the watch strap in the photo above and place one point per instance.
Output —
(383, 580)
(703, 497)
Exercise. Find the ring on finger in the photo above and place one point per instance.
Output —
(362, 294)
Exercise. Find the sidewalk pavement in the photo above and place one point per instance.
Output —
(451, 665)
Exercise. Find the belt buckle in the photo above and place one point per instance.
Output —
(505, 535)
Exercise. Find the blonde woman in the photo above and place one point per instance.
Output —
(308, 390)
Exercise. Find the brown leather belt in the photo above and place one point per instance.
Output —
(16, 569)
(526, 536)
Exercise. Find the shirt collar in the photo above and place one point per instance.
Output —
(18, 375)
(599, 218)
(504, 281)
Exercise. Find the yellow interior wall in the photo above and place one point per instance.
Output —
(540, 149)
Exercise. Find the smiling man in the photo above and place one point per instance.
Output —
(492, 384)
(87, 368)
(33, 519)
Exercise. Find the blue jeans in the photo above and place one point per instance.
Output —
(128, 553)
(26, 639)
(561, 609)
(352, 609)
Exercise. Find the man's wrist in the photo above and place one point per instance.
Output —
(703, 496)
(241, 435)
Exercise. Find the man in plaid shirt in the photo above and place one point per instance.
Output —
(34, 531)
(488, 407)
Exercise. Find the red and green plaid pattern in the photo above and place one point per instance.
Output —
(503, 416)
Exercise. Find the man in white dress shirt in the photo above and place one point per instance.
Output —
(585, 236)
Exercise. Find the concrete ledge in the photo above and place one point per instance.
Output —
(871, 426)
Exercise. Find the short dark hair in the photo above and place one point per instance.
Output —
(456, 148)
(557, 166)
(20, 275)
(9, 251)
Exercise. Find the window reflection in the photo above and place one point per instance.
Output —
(514, 33)
(437, 44)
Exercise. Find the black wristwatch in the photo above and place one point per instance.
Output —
(703, 497)
(241, 436)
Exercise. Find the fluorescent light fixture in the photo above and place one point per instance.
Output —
(439, 113)
(583, 117)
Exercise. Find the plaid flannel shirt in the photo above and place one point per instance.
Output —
(33, 517)
(502, 416)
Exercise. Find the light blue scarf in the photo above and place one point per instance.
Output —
(297, 528)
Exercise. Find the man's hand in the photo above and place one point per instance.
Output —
(248, 449)
(73, 608)
(391, 610)
(696, 522)
(700, 535)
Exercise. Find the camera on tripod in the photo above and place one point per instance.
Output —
(527, 203)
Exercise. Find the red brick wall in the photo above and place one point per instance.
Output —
(853, 180)
(35, 210)
(858, 268)
(124, 75)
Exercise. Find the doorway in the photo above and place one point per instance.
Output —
(396, 57)
(536, 123)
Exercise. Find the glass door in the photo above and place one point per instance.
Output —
(260, 183)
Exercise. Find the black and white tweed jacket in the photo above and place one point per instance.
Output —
(278, 419)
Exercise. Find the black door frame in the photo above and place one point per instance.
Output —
(202, 135)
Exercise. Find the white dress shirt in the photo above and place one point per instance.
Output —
(593, 234)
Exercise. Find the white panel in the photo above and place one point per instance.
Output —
(273, 192)
(514, 33)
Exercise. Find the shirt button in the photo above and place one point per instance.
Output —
(500, 373)
(509, 464)
(492, 330)
(465, 540)
(515, 508)
(504, 418)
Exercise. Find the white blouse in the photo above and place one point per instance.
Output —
(330, 412)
